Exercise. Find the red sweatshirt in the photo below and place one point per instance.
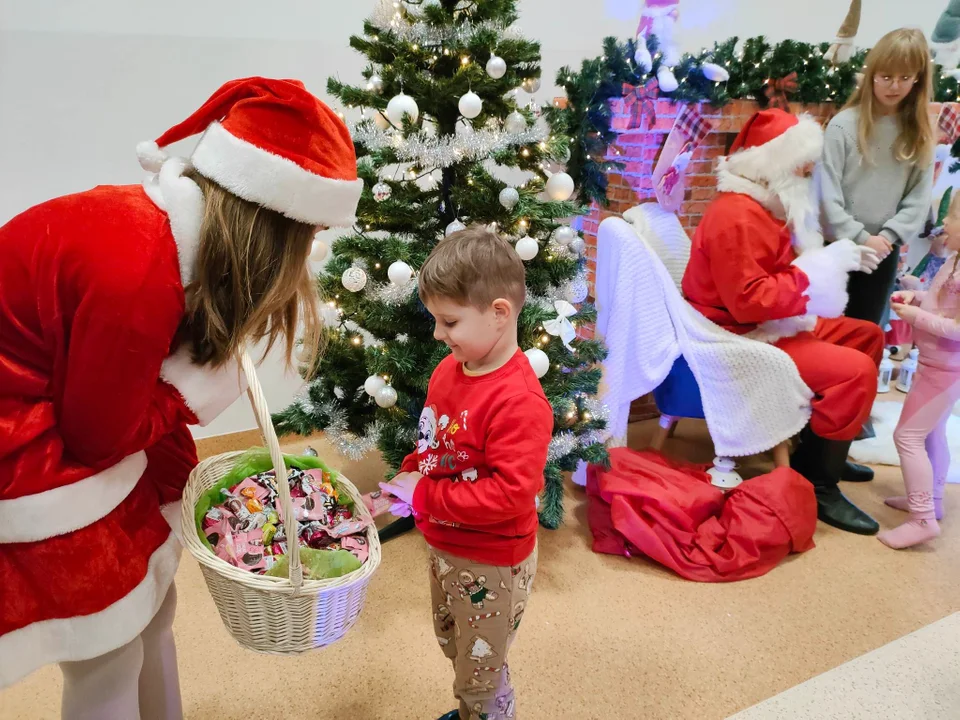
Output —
(482, 448)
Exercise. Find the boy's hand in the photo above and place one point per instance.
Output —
(403, 486)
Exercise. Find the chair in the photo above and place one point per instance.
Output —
(658, 342)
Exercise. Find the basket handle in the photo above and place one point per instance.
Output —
(262, 413)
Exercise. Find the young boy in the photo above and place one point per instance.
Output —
(473, 480)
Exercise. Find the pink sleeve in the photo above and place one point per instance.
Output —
(938, 325)
(516, 451)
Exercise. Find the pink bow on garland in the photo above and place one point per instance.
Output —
(640, 102)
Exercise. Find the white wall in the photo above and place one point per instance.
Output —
(82, 82)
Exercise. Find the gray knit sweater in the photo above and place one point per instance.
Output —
(860, 198)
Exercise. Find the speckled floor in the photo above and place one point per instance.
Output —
(604, 637)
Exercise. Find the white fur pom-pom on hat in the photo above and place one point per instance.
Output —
(150, 155)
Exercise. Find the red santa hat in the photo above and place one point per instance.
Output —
(774, 144)
(273, 143)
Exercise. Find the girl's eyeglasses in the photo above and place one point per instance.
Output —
(890, 81)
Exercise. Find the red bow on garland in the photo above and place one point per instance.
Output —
(777, 91)
(640, 102)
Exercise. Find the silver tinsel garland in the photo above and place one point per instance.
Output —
(561, 445)
(597, 409)
(346, 443)
(391, 294)
(387, 17)
(443, 151)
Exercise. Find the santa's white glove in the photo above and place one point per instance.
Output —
(828, 271)
(869, 259)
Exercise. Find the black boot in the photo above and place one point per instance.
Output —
(856, 473)
(821, 462)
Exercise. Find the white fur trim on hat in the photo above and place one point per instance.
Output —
(68, 508)
(782, 156)
(275, 182)
(82, 637)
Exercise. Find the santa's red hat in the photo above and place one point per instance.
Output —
(271, 142)
(774, 144)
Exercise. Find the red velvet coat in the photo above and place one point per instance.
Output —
(740, 273)
(92, 441)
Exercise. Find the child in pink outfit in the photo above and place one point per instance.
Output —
(921, 436)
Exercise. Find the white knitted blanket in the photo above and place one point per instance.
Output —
(753, 397)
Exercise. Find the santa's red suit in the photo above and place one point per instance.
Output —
(758, 267)
(751, 273)
(94, 408)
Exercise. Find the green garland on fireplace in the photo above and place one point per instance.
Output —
(586, 118)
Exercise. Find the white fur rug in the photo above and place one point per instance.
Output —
(880, 450)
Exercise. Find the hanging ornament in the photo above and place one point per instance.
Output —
(375, 84)
(509, 197)
(564, 235)
(402, 106)
(399, 273)
(538, 361)
(496, 67)
(560, 187)
(714, 72)
(515, 123)
(577, 245)
(319, 251)
(354, 279)
(455, 227)
(527, 248)
(531, 85)
(577, 290)
(534, 107)
(471, 105)
(381, 121)
(382, 191)
(386, 397)
(373, 385)
(561, 326)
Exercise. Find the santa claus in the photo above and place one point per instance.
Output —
(758, 267)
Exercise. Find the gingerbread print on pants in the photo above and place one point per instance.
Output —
(490, 620)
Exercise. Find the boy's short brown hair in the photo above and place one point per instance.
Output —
(474, 267)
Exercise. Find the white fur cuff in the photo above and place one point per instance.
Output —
(207, 391)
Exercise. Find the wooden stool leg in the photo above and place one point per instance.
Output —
(781, 455)
(664, 431)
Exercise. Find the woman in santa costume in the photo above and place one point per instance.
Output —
(759, 267)
(121, 312)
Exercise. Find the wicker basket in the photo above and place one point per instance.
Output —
(279, 616)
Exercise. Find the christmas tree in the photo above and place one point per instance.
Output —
(446, 114)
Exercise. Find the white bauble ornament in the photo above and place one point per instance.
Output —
(577, 245)
(560, 187)
(538, 361)
(515, 123)
(534, 107)
(399, 273)
(455, 227)
(564, 235)
(714, 72)
(531, 85)
(375, 84)
(509, 197)
(319, 251)
(373, 385)
(471, 105)
(527, 248)
(382, 191)
(386, 397)
(381, 121)
(354, 279)
(577, 290)
(401, 106)
(496, 67)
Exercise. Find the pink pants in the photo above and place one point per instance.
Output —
(921, 436)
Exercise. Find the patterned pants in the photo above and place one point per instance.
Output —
(477, 611)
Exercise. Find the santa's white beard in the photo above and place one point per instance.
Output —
(801, 209)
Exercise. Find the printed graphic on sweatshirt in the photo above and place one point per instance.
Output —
(427, 431)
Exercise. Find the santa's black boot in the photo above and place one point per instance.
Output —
(822, 462)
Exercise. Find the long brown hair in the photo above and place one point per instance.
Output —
(251, 281)
(901, 52)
